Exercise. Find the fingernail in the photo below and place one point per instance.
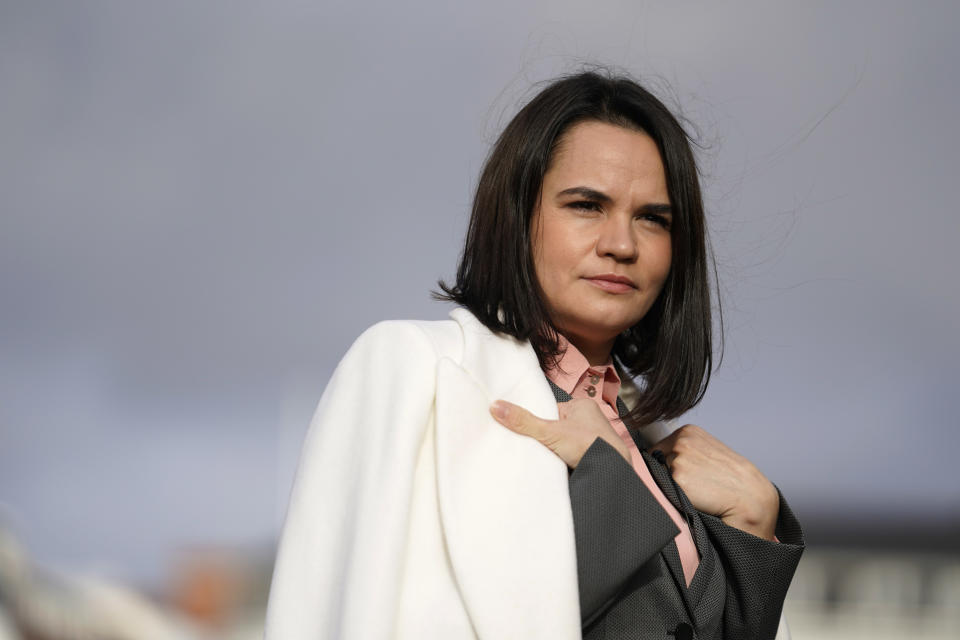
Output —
(499, 410)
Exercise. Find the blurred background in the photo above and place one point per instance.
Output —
(203, 204)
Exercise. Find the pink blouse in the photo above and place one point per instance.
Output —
(602, 384)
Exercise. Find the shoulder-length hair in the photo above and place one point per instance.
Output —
(670, 349)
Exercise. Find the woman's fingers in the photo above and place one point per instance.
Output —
(550, 433)
(720, 481)
(581, 423)
(518, 419)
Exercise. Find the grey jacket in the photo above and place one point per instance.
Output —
(630, 577)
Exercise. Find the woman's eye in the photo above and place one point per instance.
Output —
(658, 219)
(585, 205)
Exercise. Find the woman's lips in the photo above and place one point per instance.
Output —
(611, 285)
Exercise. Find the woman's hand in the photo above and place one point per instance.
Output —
(581, 422)
(721, 482)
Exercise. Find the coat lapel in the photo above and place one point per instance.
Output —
(503, 498)
(710, 572)
(661, 476)
(670, 554)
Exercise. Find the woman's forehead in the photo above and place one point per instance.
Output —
(603, 155)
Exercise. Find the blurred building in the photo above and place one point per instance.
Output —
(214, 596)
(851, 594)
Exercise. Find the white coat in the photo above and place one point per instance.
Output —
(414, 514)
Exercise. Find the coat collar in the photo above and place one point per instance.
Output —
(504, 366)
(504, 499)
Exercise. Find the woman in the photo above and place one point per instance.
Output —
(415, 513)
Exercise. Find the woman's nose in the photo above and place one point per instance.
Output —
(617, 240)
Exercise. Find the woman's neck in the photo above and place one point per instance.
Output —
(597, 354)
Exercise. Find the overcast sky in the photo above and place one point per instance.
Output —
(203, 204)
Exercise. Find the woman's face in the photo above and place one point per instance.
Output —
(601, 233)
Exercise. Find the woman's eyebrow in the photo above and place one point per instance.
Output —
(599, 196)
(586, 192)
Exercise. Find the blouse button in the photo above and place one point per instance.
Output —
(591, 391)
(594, 379)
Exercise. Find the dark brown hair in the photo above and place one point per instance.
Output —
(669, 351)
